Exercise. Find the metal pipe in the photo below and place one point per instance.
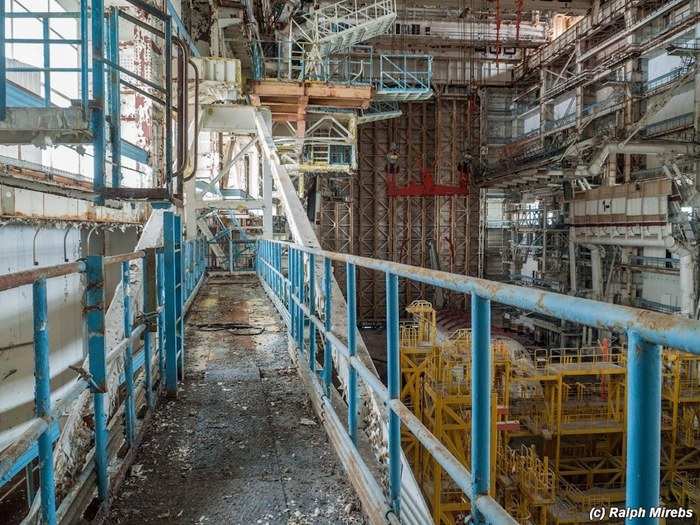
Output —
(42, 400)
(394, 387)
(168, 106)
(114, 92)
(644, 416)
(182, 110)
(36, 263)
(129, 402)
(663, 329)
(98, 98)
(3, 66)
(352, 351)
(13, 280)
(95, 329)
(87, 241)
(170, 307)
(481, 401)
(327, 324)
(11, 454)
(123, 257)
(195, 154)
(65, 237)
(312, 308)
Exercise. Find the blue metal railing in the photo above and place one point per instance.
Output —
(562, 122)
(669, 125)
(664, 263)
(177, 266)
(656, 306)
(401, 73)
(289, 60)
(646, 331)
(664, 80)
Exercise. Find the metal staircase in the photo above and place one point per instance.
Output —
(339, 26)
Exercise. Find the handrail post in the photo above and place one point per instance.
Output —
(230, 254)
(327, 325)
(394, 386)
(94, 316)
(148, 271)
(312, 311)
(42, 400)
(644, 416)
(352, 351)
(169, 282)
(293, 257)
(129, 403)
(481, 401)
(300, 286)
(179, 296)
(160, 284)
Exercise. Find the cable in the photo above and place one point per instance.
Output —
(231, 327)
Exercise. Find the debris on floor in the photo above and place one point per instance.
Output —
(241, 445)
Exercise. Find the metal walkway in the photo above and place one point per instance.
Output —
(241, 444)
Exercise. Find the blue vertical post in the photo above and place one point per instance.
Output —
(179, 297)
(129, 402)
(115, 114)
(481, 401)
(352, 350)
(169, 282)
(3, 65)
(160, 276)
(393, 361)
(327, 324)
(147, 285)
(312, 310)
(278, 265)
(230, 252)
(95, 320)
(98, 98)
(42, 399)
(293, 290)
(644, 416)
(47, 61)
(300, 286)
(84, 95)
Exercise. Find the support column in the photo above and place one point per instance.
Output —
(481, 401)
(267, 198)
(644, 416)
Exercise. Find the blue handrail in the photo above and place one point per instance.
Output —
(188, 260)
(646, 331)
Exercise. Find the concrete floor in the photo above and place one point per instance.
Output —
(241, 445)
